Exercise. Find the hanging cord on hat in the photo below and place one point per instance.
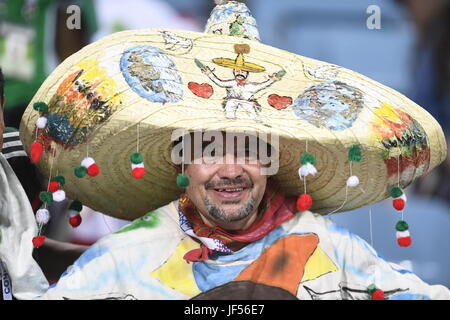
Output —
(399, 201)
(307, 160)
(354, 155)
(137, 160)
(182, 178)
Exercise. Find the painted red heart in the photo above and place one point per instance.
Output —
(279, 102)
(203, 90)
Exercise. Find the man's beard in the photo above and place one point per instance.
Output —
(221, 215)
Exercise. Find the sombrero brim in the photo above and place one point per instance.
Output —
(98, 96)
(246, 66)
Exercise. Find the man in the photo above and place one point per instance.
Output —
(232, 232)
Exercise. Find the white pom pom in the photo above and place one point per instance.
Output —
(59, 196)
(87, 162)
(139, 165)
(352, 181)
(402, 234)
(41, 123)
(306, 170)
(42, 216)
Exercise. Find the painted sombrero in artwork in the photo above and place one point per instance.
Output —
(125, 94)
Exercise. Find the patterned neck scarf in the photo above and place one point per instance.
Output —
(273, 212)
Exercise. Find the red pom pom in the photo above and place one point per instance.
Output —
(304, 202)
(93, 170)
(36, 150)
(378, 295)
(38, 241)
(404, 241)
(75, 221)
(138, 173)
(399, 204)
(53, 186)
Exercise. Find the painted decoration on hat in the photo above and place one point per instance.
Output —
(323, 72)
(175, 42)
(233, 19)
(240, 91)
(85, 99)
(334, 105)
(152, 74)
(405, 143)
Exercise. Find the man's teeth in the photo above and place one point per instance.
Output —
(230, 190)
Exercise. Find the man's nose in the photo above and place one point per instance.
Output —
(230, 170)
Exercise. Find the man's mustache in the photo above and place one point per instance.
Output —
(246, 183)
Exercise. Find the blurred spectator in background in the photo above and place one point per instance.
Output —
(140, 14)
(34, 39)
(431, 79)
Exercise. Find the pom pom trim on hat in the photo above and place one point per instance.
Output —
(36, 151)
(41, 122)
(59, 196)
(136, 158)
(75, 220)
(306, 170)
(42, 216)
(375, 293)
(396, 192)
(354, 153)
(307, 158)
(403, 238)
(76, 205)
(60, 179)
(80, 171)
(53, 186)
(46, 197)
(38, 241)
(182, 180)
(304, 202)
(138, 172)
(352, 181)
(93, 170)
(87, 162)
(40, 106)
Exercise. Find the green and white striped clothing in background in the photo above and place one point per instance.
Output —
(12, 146)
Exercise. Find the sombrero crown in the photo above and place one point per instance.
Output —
(127, 93)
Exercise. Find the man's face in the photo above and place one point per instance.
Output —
(226, 193)
(240, 74)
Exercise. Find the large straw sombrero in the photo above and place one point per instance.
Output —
(134, 88)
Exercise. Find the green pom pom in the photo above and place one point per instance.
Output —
(396, 192)
(182, 180)
(307, 158)
(354, 153)
(401, 226)
(76, 205)
(372, 288)
(60, 180)
(46, 197)
(80, 171)
(40, 106)
(136, 158)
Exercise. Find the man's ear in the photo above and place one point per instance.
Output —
(2, 103)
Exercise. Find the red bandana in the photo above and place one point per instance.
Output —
(274, 212)
(240, 82)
